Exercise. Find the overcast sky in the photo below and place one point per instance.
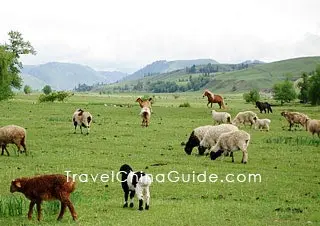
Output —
(126, 35)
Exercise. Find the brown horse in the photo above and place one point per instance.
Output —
(213, 98)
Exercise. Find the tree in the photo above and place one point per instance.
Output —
(284, 91)
(7, 78)
(10, 65)
(192, 69)
(314, 90)
(27, 89)
(252, 96)
(47, 89)
(304, 89)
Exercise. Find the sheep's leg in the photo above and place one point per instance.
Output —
(62, 210)
(231, 155)
(32, 203)
(244, 156)
(126, 194)
(81, 129)
(39, 209)
(75, 126)
(71, 208)
(147, 196)
(139, 191)
(132, 193)
(4, 147)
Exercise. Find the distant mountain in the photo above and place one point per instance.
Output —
(65, 76)
(112, 76)
(163, 66)
(250, 62)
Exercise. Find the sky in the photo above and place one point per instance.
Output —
(126, 35)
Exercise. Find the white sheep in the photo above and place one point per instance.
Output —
(230, 142)
(211, 136)
(145, 114)
(13, 134)
(81, 118)
(245, 117)
(221, 117)
(135, 182)
(195, 138)
(262, 124)
(313, 126)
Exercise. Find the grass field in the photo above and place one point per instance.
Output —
(288, 162)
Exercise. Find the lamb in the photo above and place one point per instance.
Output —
(135, 182)
(211, 136)
(262, 124)
(13, 134)
(81, 118)
(296, 118)
(145, 114)
(195, 138)
(313, 126)
(46, 187)
(144, 103)
(221, 117)
(245, 117)
(230, 142)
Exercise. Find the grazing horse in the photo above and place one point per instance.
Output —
(263, 106)
(213, 98)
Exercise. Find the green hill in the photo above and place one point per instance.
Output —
(229, 78)
(163, 66)
(263, 76)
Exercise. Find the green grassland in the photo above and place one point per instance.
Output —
(288, 162)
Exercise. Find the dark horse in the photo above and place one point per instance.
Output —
(263, 106)
(213, 98)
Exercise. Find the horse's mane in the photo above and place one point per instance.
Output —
(208, 92)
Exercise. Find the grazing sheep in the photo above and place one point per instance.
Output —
(295, 118)
(144, 103)
(230, 142)
(221, 117)
(13, 134)
(135, 182)
(81, 118)
(245, 117)
(46, 187)
(145, 114)
(262, 124)
(313, 126)
(263, 106)
(211, 136)
(195, 138)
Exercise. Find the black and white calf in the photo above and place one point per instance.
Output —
(135, 182)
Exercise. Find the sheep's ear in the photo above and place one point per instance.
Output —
(17, 184)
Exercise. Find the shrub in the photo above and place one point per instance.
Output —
(60, 96)
(252, 96)
(184, 105)
(47, 89)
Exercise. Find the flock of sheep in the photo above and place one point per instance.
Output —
(212, 140)
(225, 138)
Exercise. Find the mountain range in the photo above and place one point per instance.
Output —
(66, 76)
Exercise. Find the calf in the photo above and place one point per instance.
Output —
(46, 187)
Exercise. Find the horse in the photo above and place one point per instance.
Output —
(213, 98)
(263, 106)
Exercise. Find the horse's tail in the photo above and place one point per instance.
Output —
(222, 103)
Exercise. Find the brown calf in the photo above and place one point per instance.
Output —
(44, 188)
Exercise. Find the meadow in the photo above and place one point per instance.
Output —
(287, 161)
